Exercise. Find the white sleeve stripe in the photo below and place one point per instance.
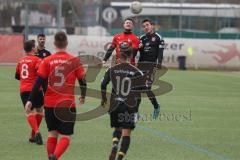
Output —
(137, 69)
(141, 36)
(158, 35)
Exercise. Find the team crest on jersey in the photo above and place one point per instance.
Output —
(44, 55)
(153, 39)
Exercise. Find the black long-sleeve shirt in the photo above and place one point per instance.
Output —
(127, 82)
(151, 48)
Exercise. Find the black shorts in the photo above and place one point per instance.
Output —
(148, 70)
(37, 102)
(60, 119)
(124, 116)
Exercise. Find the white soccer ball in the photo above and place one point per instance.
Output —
(136, 7)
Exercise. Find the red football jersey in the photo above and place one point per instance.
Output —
(127, 37)
(27, 69)
(61, 69)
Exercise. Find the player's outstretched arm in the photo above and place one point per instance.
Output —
(17, 76)
(160, 53)
(141, 49)
(35, 89)
(17, 73)
(33, 93)
(105, 81)
(83, 87)
(109, 53)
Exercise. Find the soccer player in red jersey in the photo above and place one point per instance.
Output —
(126, 36)
(62, 70)
(26, 72)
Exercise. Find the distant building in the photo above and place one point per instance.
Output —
(201, 17)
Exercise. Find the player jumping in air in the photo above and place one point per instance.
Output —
(151, 55)
(124, 101)
(26, 72)
(62, 70)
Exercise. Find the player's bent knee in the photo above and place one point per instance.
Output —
(53, 134)
(29, 112)
(118, 129)
(39, 110)
(66, 136)
(126, 132)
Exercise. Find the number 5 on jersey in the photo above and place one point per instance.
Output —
(59, 73)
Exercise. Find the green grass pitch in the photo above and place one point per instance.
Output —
(200, 121)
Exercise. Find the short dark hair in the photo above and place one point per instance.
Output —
(125, 50)
(60, 40)
(147, 20)
(41, 35)
(29, 45)
(129, 19)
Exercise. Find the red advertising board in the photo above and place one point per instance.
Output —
(11, 48)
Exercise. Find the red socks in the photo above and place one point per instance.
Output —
(39, 120)
(62, 146)
(51, 145)
(32, 134)
(33, 122)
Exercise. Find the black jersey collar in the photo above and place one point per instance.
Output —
(40, 49)
(127, 31)
(150, 34)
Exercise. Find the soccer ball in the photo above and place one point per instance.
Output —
(136, 7)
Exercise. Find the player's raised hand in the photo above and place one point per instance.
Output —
(81, 100)
(28, 107)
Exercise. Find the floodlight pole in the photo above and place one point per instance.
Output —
(59, 15)
(180, 20)
(26, 31)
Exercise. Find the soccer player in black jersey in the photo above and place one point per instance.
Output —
(41, 51)
(151, 55)
(127, 81)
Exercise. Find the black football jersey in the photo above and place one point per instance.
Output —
(42, 53)
(127, 81)
(151, 48)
